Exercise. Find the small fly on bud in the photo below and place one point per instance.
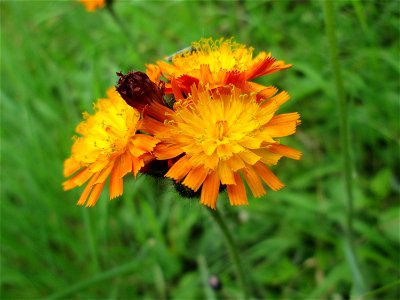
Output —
(189, 50)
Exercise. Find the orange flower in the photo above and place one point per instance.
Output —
(220, 63)
(109, 146)
(92, 5)
(224, 137)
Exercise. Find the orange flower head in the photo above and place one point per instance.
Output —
(92, 5)
(225, 137)
(219, 63)
(108, 146)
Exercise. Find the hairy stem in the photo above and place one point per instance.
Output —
(232, 250)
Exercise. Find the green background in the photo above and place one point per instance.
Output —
(57, 59)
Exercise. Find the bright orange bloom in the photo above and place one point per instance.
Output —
(108, 146)
(92, 5)
(220, 63)
(224, 137)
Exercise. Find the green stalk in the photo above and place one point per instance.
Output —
(347, 167)
(232, 250)
(91, 241)
(120, 23)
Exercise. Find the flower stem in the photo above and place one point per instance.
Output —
(120, 23)
(232, 250)
(347, 166)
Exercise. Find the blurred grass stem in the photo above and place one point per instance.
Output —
(120, 23)
(359, 281)
(232, 250)
(104, 276)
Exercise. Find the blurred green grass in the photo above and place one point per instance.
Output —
(56, 59)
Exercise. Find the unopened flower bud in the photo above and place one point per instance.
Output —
(138, 90)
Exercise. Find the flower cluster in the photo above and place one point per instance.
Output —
(197, 118)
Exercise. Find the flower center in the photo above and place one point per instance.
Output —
(221, 128)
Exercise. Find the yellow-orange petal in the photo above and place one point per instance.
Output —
(87, 189)
(235, 163)
(268, 176)
(261, 67)
(284, 118)
(163, 151)
(180, 169)
(152, 126)
(116, 184)
(285, 151)
(210, 162)
(225, 173)
(78, 179)
(71, 166)
(103, 175)
(210, 190)
(154, 72)
(159, 111)
(250, 142)
(263, 92)
(277, 100)
(144, 142)
(122, 165)
(237, 192)
(254, 182)
(94, 195)
(282, 125)
(138, 163)
(205, 74)
(195, 178)
(175, 89)
(249, 157)
(267, 157)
